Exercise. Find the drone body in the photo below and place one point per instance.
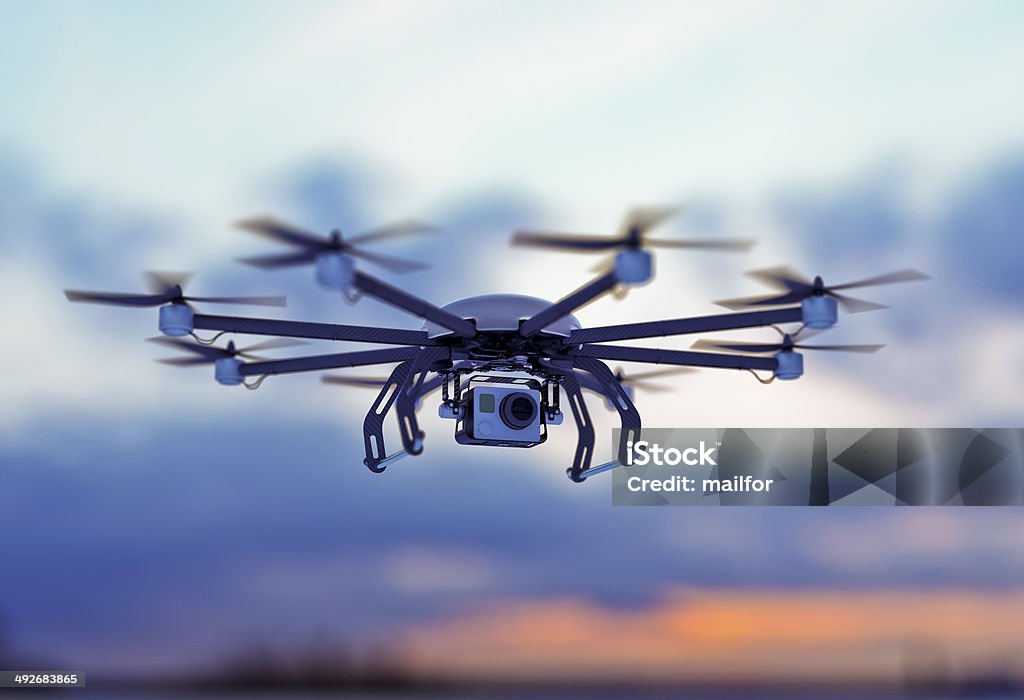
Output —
(506, 364)
(501, 313)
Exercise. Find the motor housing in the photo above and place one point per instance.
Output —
(334, 270)
(226, 371)
(791, 365)
(819, 311)
(634, 267)
(176, 320)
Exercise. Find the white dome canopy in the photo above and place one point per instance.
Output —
(501, 312)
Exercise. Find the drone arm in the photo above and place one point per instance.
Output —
(588, 383)
(317, 331)
(429, 386)
(567, 305)
(584, 426)
(414, 305)
(373, 424)
(683, 326)
(677, 357)
(315, 363)
(409, 393)
(404, 387)
(613, 391)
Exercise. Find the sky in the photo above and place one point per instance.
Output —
(193, 519)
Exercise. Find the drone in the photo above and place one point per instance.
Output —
(506, 364)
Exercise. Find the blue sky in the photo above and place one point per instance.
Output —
(849, 140)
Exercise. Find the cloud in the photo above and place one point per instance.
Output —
(982, 234)
(850, 224)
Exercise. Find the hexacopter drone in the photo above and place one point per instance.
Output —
(502, 361)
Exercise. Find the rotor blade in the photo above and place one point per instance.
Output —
(273, 344)
(645, 218)
(272, 262)
(116, 298)
(401, 228)
(375, 382)
(842, 348)
(804, 332)
(650, 387)
(251, 301)
(782, 277)
(388, 262)
(585, 242)
(907, 275)
(733, 244)
(744, 302)
(164, 282)
(275, 230)
(206, 351)
(184, 361)
(703, 344)
(856, 306)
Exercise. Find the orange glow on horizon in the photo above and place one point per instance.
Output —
(803, 635)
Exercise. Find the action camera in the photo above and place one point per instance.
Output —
(508, 415)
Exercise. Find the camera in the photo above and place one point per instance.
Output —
(505, 415)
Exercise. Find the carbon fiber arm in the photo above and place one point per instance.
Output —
(677, 357)
(409, 394)
(430, 386)
(584, 426)
(629, 417)
(414, 305)
(316, 363)
(567, 305)
(373, 424)
(682, 326)
(589, 383)
(305, 329)
(404, 387)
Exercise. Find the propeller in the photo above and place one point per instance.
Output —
(632, 235)
(786, 345)
(165, 288)
(205, 354)
(796, 288)
(310, 244)
(639, 379)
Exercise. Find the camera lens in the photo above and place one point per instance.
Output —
(518, 410)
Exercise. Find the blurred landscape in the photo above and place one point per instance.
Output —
(166, 535)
